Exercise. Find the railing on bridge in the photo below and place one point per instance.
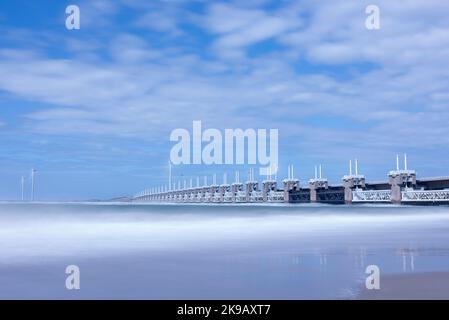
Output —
(228, 196)
(276, 196)
(240, 196)
(425, 195)
(256, 196)
(371, 196)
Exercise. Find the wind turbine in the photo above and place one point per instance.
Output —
(23, 187)
(33, 171)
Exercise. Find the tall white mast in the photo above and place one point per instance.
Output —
(32, 184)
(23, 187)
(405, 161)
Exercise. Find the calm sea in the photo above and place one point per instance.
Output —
(213, 251)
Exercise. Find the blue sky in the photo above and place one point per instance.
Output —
(92, 109)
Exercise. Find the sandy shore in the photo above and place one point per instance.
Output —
(431, 285)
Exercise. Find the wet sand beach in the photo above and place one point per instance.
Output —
(428, 285)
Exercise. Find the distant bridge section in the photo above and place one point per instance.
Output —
(402, 187)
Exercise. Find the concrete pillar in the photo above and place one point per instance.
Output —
(250, 187)
(312, 192)
(195, 195)
(203, 194)
(222, 190)
(289, 185)
(267, 186)
(314, 185)
(400, 179)
(396, 195)
(350, 182)
(348, 193)
(235, 189)
(213, 190)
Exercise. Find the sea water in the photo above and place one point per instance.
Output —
(156, 251)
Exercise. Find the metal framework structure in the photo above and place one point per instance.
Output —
(330, 196)
(300, 196)
(276, 196)
(425, 195)
(371, 195)
(256, 196)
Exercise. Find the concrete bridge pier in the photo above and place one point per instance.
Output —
(400, 180)
(349, 185)
(251, 186)
(222, 191)
(352, 181)
(290, 184)
(235, 189)
(317, 183)
(214, 192)
(203, 193)
(196, 195)
(267, 186)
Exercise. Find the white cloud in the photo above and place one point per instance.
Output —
(127, 48)
(98, 13)
(144, 91)
(239, 27)
(410, 31)
(161, 21)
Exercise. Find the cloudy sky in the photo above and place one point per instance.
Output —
(92, 109)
